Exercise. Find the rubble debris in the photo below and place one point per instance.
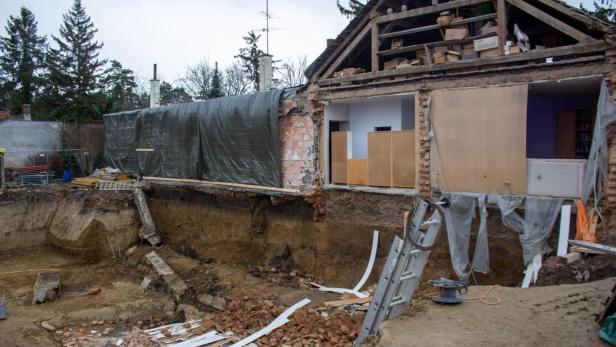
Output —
(347, 302)
(148, 230)
(282, 260)
(94, 291)
(277, 323)
(217, 302)
(175, 285)
(47, 287)
(48, 326)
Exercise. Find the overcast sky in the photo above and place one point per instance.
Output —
(178, 33)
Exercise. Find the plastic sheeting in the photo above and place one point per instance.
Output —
(539, 218)
(534, 229)
(597, 168)
(234, 139)
(459, 217)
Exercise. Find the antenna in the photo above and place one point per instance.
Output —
(267, 28)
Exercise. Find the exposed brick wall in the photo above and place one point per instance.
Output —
(422, 107)
(297, 150)
(610, 193)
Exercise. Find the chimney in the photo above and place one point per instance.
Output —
(26, 112)
(154, 90)
(266, 72)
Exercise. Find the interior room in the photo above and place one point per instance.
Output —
(560, 126)
(371, 141)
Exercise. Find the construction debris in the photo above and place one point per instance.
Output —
(217, 302)
(596, 247)
(47, 287)
(148, 230)
(175, 285)
(48, 326)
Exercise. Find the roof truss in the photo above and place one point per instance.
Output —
(371, 23)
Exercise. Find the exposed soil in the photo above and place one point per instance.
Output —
(556, 271)
(537, 316)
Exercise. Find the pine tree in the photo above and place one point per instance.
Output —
(216, 87)
(352, 9)
(120, 86)
(22, 54)
(249, 56)
(173, 95)
(72, 93)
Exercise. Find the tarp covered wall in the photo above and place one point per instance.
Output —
(234, 139)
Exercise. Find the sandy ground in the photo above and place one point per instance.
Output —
(538, 316)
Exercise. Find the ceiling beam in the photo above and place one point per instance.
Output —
(590, 22)
(356, 41)
(427, 10)
(551, 21)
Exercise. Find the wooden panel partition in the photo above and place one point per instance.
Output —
(339, 157)
(480, 143)
(403, 159)
(379, 159)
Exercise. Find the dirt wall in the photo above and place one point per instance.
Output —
(89, 223)
(252, 230)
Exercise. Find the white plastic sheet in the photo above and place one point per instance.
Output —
(597, 169)
(459, 217)
(539, 219)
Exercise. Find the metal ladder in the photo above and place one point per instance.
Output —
(402, 271)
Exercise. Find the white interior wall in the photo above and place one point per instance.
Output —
(366, 115)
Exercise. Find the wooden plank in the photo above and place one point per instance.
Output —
(530, 55)
(420, 46)
(480, 139)
(551, 21)
(356, 41)
(339, 157)
(436, 26)
(375, 44)
(357, 172)
(379, 159)
(574, 13)
(223, 184)
(502, 25)
(403, 159)
(347, 302)
(346, 41)
(427, 10)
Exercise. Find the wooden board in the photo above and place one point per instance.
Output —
(357, 172)
(339, 157)
(403, 159)
(379, 159)
(565, 134)
(480, 139)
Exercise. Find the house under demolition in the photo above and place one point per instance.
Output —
(504, 108)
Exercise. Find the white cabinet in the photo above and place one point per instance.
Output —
(556, 177)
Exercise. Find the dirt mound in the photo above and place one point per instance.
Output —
(556, 271)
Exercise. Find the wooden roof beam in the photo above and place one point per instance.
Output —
(551, 21)
(436, 26)
(356, 41)
(427, 10)
(591, 23)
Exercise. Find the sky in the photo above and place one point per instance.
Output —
(178, 33)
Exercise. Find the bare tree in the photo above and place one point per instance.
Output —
(291, 72)
(236, 81)
(197, 80)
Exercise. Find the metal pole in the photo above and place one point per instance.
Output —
(267, 23)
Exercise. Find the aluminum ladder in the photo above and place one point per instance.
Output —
(403, 268)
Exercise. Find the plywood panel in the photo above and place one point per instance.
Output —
(357, 172)
(403, 159)
(480, 139)
(379, 159)
(339, 157)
